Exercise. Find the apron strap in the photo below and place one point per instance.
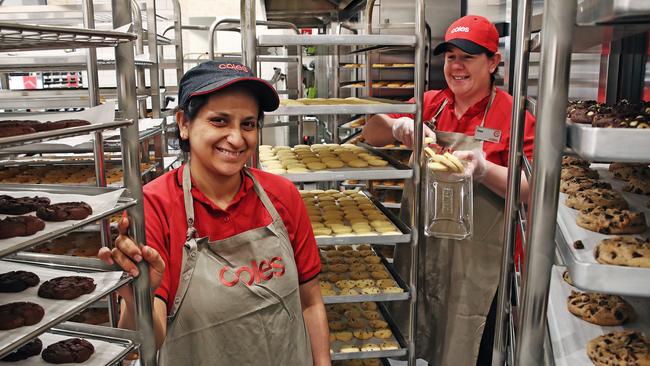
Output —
(190, 256)
(432, 124)
(188, 201)
(266, 201)
(487, 107)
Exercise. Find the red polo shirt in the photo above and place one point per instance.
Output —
(498, 118)
(166, 222)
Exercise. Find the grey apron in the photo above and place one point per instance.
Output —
(457, 280)
(238, 301)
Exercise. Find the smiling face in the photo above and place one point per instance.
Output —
(223, 135)
(467, 75)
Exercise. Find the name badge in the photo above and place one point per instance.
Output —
(487, 134)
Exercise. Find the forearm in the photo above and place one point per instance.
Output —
(316, 323)
(497, 181)
(378, 130)
(129, 321)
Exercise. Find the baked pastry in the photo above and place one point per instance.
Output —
(21, 205)
(622, 348)
(624, 171)
(624, 251)
(29, 349)
(72, 350)
(577, 184)
(567, 278)
(13, 226)
(18, 314)
(599, 309)
(638, 185)
(65, 211)
(612, 221)
(596, 197)
(66, 287)
(17, 281)
(577, 171)
(568, 161)
(15, 131)
(57, 125)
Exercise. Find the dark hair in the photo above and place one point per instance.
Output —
(493, 75)
(191, 110)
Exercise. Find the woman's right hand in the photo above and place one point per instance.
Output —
(127, 254)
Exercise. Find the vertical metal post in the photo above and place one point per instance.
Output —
(178, 41)
(518, 80)
(136, 13)
(249, 50)
(131, 163)
(335, 27)
(550, 136)
(370, 5)
(417, 230)
(154, 82)
(98, 145)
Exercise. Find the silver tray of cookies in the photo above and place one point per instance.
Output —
(357, 273)
(369, 221)
(611, 263)
(363, 330)
(316, 106)
(571, 335)
(600, 144)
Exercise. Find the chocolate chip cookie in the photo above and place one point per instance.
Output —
(624, 171)
(66, 288)
(596, 197)
(612, 221)
(624, 251)
(65, 211)
(569, 161)
(577, 184)
(72, 350)
(638, 185)
(578, 171)
(622, 348)
(21, 205)
(16, 281)
(18, 314)
(13, 226)
(599, 309)
(31, 348)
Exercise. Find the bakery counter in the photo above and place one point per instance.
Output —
(571, 335)
(55, 307)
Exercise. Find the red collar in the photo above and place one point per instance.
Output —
(478, 107)
(244, 188)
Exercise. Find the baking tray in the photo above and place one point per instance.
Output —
(397, 337)
(338, 299)
(391, 204)
(355, 185)
(347, 125)
(600, 144)
(570, 334)
(103, 196)
(592, 12)
(405, 237)
(588, 274)
(390, 188)
(56, 311)
(388, 106)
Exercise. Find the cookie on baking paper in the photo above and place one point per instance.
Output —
(596, 197)
(626, 250)
(612, 221)
(621, 348)
(599, 309)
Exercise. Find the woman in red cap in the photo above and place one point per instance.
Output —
(458, 280)
(232, 257)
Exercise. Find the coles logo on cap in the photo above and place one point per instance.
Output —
(236, 67)
(459, 29)
(476, 29)
(255, 273)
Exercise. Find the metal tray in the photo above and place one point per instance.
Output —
(588, 274)
(14, 338)
(266, 40)
(389, 106)
(591, 12)
(405, 237)
(123, 203)
(599, 144)
(390, 188)
(345, 183)
(338, 299)
(570, 334)
(391, 204)
(397, 337)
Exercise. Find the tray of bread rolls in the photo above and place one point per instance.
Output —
(362, 362)
(357, 273)
(363, 330)
(330, 162)
(352, 217)
(577, 319)
(351, 105)
(602, 233)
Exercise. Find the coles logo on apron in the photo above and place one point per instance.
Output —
(255, 273)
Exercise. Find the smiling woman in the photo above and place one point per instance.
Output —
(207, 221)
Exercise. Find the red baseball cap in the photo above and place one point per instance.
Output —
(473, 34)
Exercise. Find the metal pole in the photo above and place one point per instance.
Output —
(336, 28)
(131, 163)
(153, 55)
(519, 81)
(98, 145)
(136, 13)
(178, 41)
(370, 5)
(417, 230)
(550, 136)
(249, 35)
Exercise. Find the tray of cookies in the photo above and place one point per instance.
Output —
(32, 214)
(578, 323)
(357, 273)
(362, 362)
(602, 230)
(352, 217)
(36, 297)
(363, 330)
(597, 143)
(351, 105)
(68, 172)
(330, 162)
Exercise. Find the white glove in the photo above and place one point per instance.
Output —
(477, 165)
(404, 131)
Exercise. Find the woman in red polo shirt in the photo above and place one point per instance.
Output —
(453, 300)
(232, 255)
